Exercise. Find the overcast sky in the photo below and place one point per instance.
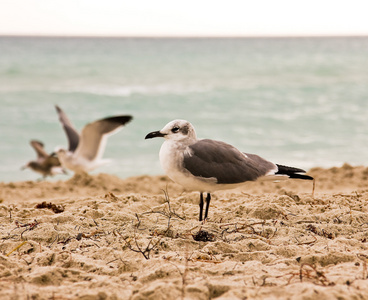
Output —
(184, 18)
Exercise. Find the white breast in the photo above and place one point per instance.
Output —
(171, 159)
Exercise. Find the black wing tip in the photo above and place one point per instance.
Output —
(301, 176)
(120, 119)
(293, 172)
(288, 169)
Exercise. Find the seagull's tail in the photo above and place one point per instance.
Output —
(292, 172)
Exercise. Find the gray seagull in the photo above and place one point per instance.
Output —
(86, 149)
(206, 165)
(46, 164)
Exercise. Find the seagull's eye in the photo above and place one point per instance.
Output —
(175, 129)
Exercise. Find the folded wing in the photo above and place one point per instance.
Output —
(214, 159)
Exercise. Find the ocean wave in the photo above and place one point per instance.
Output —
(126, 91)
(112, 91)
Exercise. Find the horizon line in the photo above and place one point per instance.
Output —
(184, 36)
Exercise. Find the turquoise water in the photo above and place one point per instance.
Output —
(296, 101)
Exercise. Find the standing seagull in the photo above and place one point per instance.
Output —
(86, 150)
(206, 165)
(46, 164)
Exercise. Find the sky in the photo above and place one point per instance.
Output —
(184, 18)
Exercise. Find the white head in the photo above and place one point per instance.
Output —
(177, 130)
(59, 149)
(62, 154)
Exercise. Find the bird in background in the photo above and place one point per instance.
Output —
(46, 164)
(86, 149)
(207, 165)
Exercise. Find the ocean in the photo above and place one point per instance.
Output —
(295, 101)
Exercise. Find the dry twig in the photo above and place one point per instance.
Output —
(146, 251)
(309, 272)
(167, 213)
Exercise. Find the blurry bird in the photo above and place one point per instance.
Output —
(85, 150)
(46, 164)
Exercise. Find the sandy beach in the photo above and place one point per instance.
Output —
(102, 237)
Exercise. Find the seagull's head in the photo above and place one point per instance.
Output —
(60, 152)
(177, 130)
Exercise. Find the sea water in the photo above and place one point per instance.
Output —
(295, 101)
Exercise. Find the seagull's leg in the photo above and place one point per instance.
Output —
(201, 207)
(208, 199)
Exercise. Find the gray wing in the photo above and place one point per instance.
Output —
(71, 133)
(38, 147)
(209, 158)
(93, 138)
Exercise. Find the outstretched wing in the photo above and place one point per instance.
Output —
(214, 159)
(39, 148)
(71, 133)
(94, 135)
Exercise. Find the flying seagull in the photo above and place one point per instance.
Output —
(46, 164)
(206, 165)
(86, 149)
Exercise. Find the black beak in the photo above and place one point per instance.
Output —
(154, 134)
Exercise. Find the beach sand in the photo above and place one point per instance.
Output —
(102, 237)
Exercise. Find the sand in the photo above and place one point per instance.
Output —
(101, 237)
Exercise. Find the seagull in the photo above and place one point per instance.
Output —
(46, 164)
(207, 165)
(85, 150)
